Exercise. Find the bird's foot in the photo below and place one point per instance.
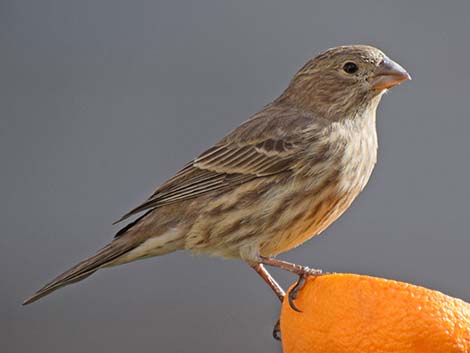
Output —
(302, 271)
(277, 331)
(288, 266)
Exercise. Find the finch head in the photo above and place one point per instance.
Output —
(343, 81)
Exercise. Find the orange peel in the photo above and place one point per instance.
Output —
(361, 314)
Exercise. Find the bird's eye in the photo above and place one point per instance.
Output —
(350, 67)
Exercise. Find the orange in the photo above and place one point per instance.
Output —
(348, 313)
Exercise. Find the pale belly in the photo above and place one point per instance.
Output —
(272, 223)
(316, 219)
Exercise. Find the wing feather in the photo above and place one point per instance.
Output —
(219, 168)
(265, 145)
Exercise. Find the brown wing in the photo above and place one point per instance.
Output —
(267, 144)
(223, 166)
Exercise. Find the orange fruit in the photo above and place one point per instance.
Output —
(348, 313)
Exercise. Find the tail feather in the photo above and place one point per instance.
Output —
(84, 269)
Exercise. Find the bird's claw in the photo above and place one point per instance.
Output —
(277, 331)
(294, 292)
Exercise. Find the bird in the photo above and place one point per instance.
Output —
(278, 179)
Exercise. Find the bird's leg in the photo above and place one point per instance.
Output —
(277, 289)
(302, 271)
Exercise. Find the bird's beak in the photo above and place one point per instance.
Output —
(389, 74)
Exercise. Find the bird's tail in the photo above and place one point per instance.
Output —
(87, 267)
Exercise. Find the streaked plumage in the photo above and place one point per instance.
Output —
(280, 178)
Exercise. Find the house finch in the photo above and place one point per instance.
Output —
(274, 182)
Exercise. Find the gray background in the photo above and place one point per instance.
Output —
(103, 100)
